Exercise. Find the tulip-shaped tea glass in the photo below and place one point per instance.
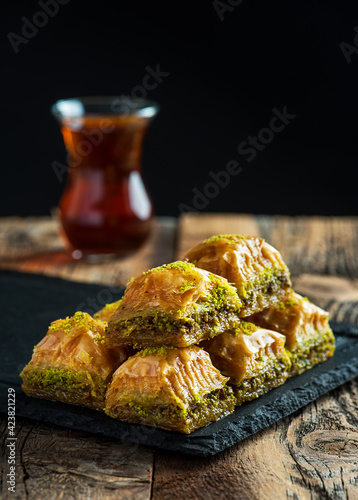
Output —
(105, 208)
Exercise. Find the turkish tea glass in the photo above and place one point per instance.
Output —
(105, 209)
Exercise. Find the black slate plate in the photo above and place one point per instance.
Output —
(30, 302)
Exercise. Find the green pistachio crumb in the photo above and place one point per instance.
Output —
(246, 328)
(232, 238)
(184, 267)
(188, 285)
(156, 351)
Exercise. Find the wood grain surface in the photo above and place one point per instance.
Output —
(54, 462)
(312, 454)
(33, 245)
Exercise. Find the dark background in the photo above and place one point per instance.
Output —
(225, 77)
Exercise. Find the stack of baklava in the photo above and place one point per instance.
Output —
(189, 341)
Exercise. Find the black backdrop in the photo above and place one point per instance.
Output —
(227, 69)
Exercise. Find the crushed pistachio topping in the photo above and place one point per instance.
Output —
(156, 351)
(232, 238)
(75, 322)
(246, 328)
(99, 338)
(291, 302)
(288, 303)
(221, 291)
(269, 280)
(179, 265)
(66, 379)
(188, 285)
(179, 416)
(311, 352)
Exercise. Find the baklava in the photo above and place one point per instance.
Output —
(177, 389)
(174, 305)
(254, 267)
(255, 359)
(309, 337)
(72, 363)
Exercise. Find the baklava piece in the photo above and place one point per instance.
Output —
(72, 364)
(177, 389)
(256, 269)
(254, 358)
(107, 311)
(173, 305)
(309, 336)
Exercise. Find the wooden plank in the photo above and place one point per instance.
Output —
(337, 294)
(310, 455)
(316, 245)
(33, 245)
(194, 228)
(23, 237)
(53, 463)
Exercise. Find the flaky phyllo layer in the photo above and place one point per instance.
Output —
(309, 337)
(174, 305)
(255, 359)
(71, 363)
(253, 266)
(175, 388)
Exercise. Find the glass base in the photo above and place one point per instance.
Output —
(96, 258)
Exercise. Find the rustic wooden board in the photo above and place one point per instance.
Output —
(194, 228)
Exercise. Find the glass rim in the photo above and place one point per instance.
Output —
(106, 105)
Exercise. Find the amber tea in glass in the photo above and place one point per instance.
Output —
(105, 208)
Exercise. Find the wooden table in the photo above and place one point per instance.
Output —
(312, 454)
